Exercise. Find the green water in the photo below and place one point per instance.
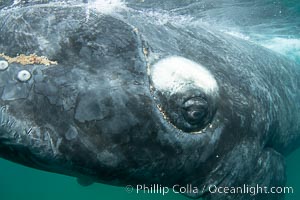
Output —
(18, 183)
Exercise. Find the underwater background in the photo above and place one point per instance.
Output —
(272, 24)
(18, 182)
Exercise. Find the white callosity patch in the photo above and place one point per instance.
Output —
(173, 74)
(3, 65)
(23, 75)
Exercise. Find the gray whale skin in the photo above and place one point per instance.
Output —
(132, 101)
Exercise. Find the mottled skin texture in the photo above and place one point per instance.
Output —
(93, 115)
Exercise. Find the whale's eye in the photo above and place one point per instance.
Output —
(186, 93)
(195, 110)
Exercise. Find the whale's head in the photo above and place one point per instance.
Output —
(102, 105)
(115, 99)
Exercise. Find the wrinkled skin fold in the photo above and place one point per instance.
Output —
(97, 115)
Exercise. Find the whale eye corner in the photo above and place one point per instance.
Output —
(24, 75)
(3, 65)
(187, 92)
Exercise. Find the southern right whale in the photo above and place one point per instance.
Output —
(134, 100)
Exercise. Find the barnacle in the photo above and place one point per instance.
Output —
(24, 75)
(3, 65)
